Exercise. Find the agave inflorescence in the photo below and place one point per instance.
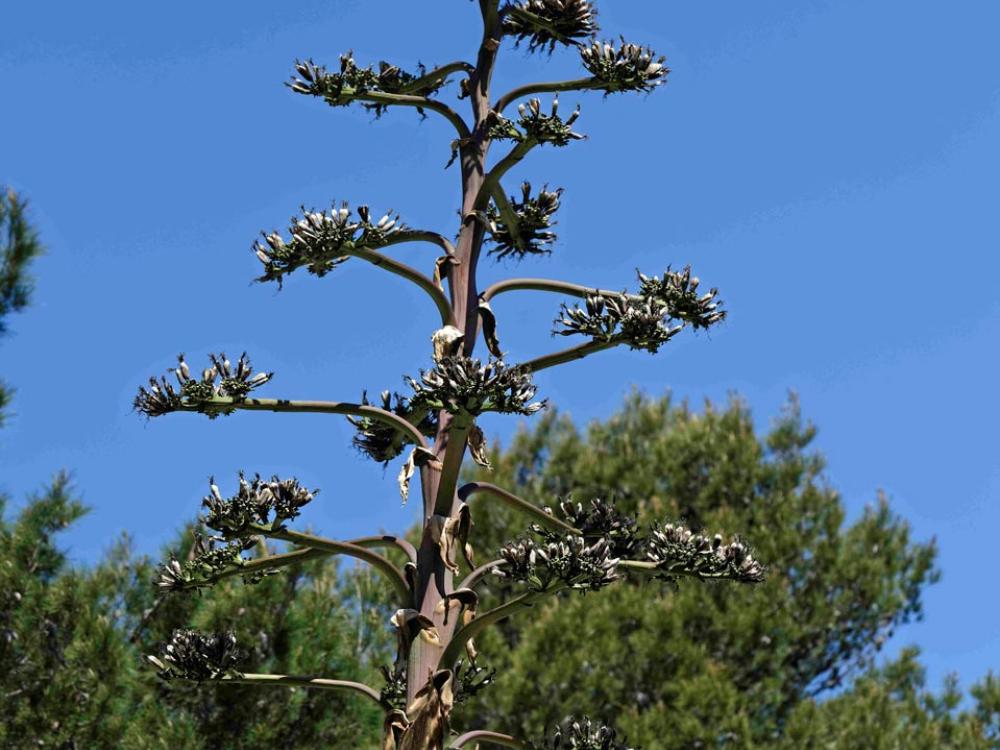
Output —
(545, 23)
(642, 323)
(208, 562)
(259, 502)
(532, 234)
(629, 67)
(678, 290)
(547, 128)
(599, 519)
(465, 385)
(677, 550)
(382, 442)
(583, 735)
(221, 380)
(320, 241)
(190, 655)
(569, 560)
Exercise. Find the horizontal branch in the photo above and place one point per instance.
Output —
(543, 87)
(476, 575)
(431, 77)
(261, 565)
(387, 540)
(382, 564)
(407, 100)
(542, 285)
(482, 735)
(517, 503)
(289, 680)
(419, 235)
(568, 355)
(401, 269)
(220, 403)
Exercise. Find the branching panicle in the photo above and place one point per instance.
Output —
(547, 128)
(630, 67)
(640, 323)
(465, 385)
(677, 550)
(545, 23)
(206, 564)
(260, 502)
(221, 380)
(190, 655)
(678, 290)
(471, 680)
(599, 519)
(583, 735)
(321, 241)
(569, 560)
(532, 235)
(380, 441)
(353, 82)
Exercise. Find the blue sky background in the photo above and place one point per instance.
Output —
(831, 166)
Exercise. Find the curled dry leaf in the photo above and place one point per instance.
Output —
(489, 322)
(478, 448)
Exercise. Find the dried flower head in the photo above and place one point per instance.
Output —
(471, 679)
(599, 519)
(190, 655)
(548, 128)
(545, 23)
(321, 241)
(208, 561)
(263, 502)
(353, 82)
(221, 380)
(678, 290)
(678, 551)
(568, 560)
(642, 323)
(532, 234)
(630, 67)
(383, 442)
(584, 735)
(463, 384)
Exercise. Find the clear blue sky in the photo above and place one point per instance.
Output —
(834, 167)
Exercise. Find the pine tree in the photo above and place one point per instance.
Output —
(571, 548)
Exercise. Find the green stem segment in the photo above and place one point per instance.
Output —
(451, 464)
(306, 682)
(517, 503)
(482, 735)
(401, 269)
(576, 84)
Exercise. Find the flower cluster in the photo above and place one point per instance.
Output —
(532, 234)
(545, 23)
(583, 735)
(221, 380)
(471, 679)
(677, 550)
(321, 241)
(678, 290)
(383, 442)
(599, 519)
(462, 384)
(354, 82)
(190, 655)
(569, 560)
(264, 502)
(642, 323)
(549, 128)
(208, 562)
(630, 67)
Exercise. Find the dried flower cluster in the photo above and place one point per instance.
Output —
(354, 82)
(471, 679)
(678, 290)
(569, 560)
(642, 323)
(630, 67)
(465, 385)
(190, 655)
(321, 241)
(206, 564)
(221, 380)
(259, 502)
(545, 23)
(382, 442)
(546, 128)
(599, 519)
(533, 234)
(583, 735)
(678, 551)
